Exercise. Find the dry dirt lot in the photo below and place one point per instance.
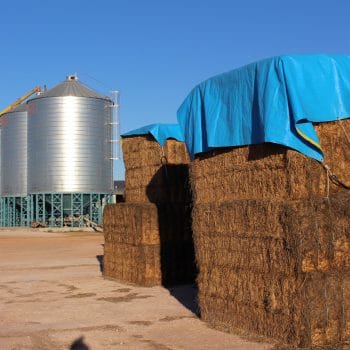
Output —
(53, 296)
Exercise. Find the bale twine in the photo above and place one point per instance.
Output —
(272, 241)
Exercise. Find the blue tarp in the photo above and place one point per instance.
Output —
(161, 132)
(275, 100)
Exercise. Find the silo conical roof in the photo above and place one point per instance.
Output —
(71, 87)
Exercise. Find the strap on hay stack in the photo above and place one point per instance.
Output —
(334, 178)
(330, 175)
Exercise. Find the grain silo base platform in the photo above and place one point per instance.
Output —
(71, 209)
(14, 211)
(53, 210)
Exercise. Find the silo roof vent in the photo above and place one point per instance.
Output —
(72, 77)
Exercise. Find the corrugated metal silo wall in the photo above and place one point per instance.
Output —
(69, 146)
(14, 154)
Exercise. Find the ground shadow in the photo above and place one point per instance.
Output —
(79, 344)
(188, 296)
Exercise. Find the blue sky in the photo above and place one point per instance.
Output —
(155, 52)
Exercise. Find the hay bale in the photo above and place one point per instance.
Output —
(270, 171)
(272, 234)
(147, 223)
(158, 184)
(155, 174)
(133, 264)
(276, 267)
(148, 244)
(314, 318)
(131, 224)
(143, 151)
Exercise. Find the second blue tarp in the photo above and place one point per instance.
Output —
(160, 132)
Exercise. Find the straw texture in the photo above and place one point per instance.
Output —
(149, 245)
(271, 171)
(272, 240)
(155, 174)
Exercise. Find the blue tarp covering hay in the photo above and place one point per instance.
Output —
(276, 100)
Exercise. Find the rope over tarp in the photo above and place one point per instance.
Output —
(160, 132)
(276, 100)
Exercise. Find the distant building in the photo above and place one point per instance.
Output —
(119, 187)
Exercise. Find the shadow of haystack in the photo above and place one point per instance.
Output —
(169, 189)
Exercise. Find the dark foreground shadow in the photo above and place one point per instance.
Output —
(188, 296)
(100, 261)
(79, 345)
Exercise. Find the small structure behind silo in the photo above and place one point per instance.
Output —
(148, 239)
(69, 155)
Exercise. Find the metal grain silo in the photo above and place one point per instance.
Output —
(69, 149)
(14, 152)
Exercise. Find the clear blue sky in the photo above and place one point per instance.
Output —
(155, 52)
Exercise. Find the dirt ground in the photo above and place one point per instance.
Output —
(53, 296)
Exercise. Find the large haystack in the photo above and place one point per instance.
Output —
(148, 239)
(273, 252)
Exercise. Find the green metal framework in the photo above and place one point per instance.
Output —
(14, 211)
(53, 209)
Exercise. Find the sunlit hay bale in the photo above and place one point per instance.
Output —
(270, 171)
(263, 263)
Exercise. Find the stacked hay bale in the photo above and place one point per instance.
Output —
(153, 173)
(272, 240)
(148, 239)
